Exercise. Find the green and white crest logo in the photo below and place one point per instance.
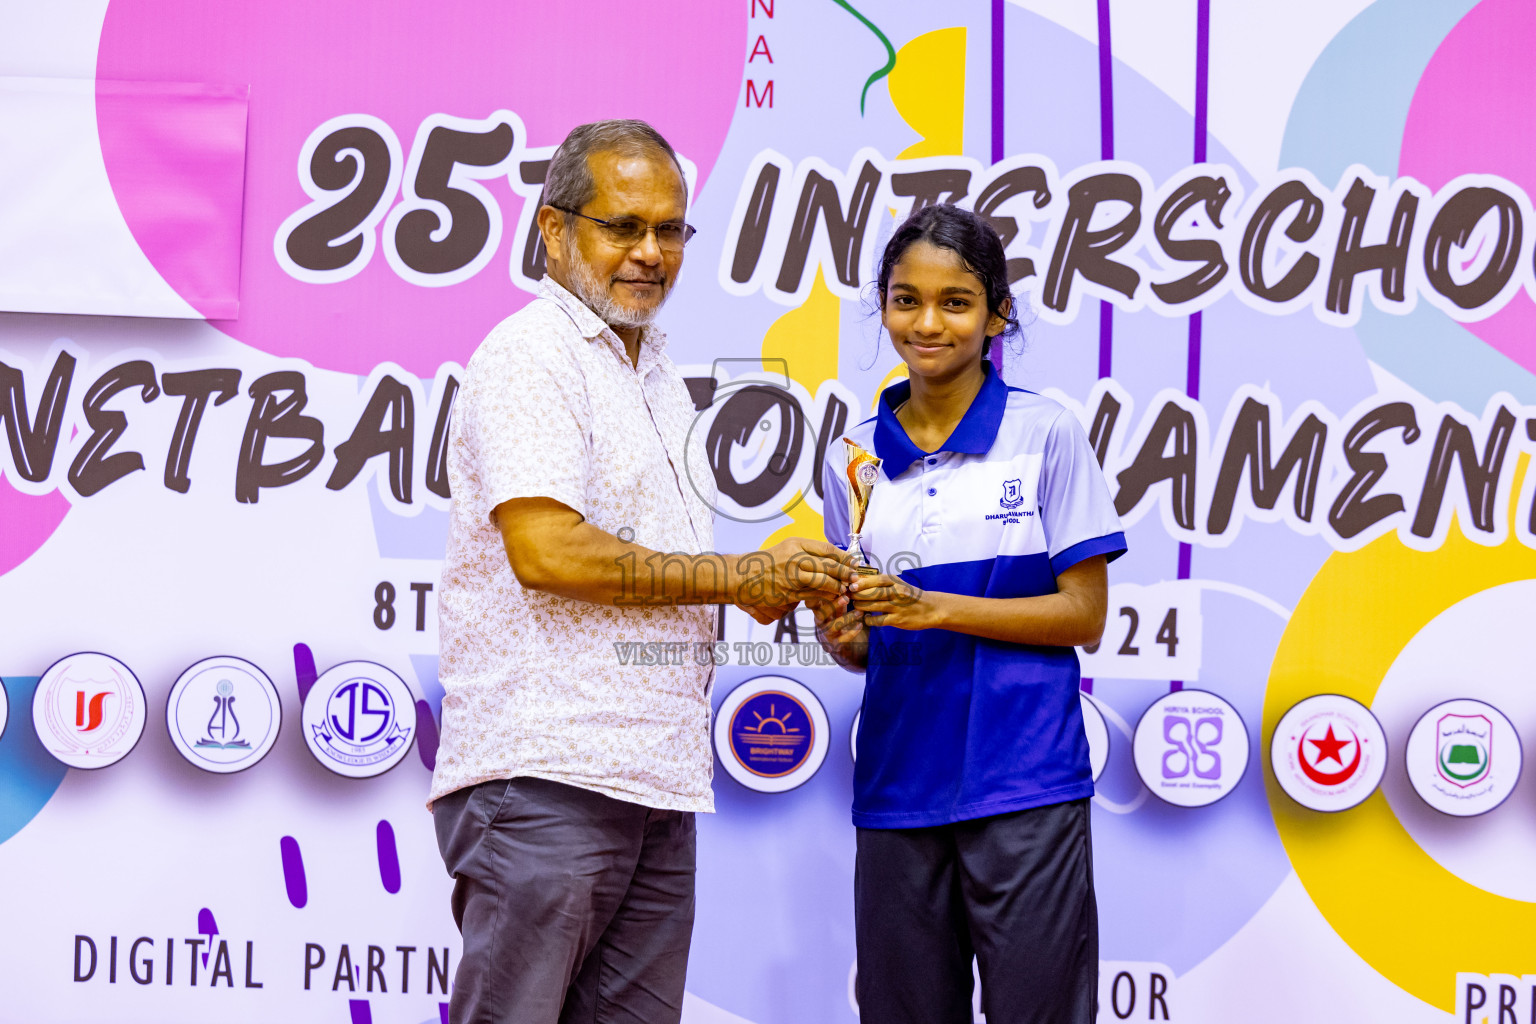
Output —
(1464, 749)
(1463, 757)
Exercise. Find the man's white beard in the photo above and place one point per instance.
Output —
(593, 291)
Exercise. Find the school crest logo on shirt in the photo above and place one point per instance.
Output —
(1013, 494)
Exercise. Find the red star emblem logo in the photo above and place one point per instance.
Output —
(1329, 747)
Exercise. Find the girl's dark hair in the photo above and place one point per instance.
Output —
(967, 236)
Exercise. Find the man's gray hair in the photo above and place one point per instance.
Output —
(569, 182)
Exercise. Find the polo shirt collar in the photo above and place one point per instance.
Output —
(652, 341)
(973, 435)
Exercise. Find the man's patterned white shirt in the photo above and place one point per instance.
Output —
(552, 407)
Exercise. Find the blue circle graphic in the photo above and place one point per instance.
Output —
(772, 734)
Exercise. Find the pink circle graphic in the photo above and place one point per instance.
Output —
(1472, 113)
(26, 521)
(400, 61)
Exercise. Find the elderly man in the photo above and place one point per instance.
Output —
(567, 777)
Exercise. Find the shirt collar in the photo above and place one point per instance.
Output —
(652, 340)
(973, 435)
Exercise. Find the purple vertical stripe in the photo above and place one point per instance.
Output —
(361, 1012)
(1175, 686)
(1087, 685)
(1192, 367)
(1196, 339)
(1106, 152)
(389, 858)
(426, 735)
(999, 7)
(1106, 86)
(1106, 337)
(293, 872)
(1202, 74)
(304, 669)
(999, 149)
(1202, 105)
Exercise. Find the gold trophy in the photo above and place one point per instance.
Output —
(863, 470)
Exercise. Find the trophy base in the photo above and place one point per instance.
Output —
(866, 570)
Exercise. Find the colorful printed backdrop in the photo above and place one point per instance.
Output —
(1278, 258)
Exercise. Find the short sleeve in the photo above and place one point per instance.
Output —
(1076, 511)
(834, 499)
(529, 422)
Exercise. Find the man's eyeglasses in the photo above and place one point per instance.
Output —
(631, 231)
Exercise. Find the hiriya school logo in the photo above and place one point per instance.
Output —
(1464, 757)
(1328, 752)
(771, 734)
(1190, 748)
(89, 710)
(223, 714)
(359, 719)
(1013, 494)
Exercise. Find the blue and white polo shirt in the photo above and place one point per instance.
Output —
(956, 727)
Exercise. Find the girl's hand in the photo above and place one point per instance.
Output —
(836, 622)
(887, 601)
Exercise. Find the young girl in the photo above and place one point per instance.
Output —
(992, 525)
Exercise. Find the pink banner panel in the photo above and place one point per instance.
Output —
(175, 154)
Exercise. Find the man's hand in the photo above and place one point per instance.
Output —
(772, 582)
(886, 601)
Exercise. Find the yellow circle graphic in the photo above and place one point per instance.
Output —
(1407, 916)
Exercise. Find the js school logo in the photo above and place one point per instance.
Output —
(359, 719)
(89, 710)
(1328, 753)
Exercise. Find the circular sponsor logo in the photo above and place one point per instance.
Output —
(359, 719)
(1328, 752)
(1190, 748)
(771, 734)
(868, 473)
(1098, 735)
(1464, 757)
(89, 710)
(223, 714)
